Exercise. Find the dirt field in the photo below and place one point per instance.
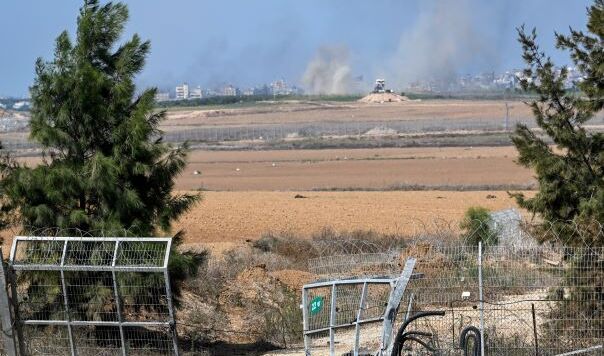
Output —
(224, 219)
(362, 168)
(297, 112)
(293, 170)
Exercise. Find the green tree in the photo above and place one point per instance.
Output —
(571, 174)
(105, 166)
(7, 165)
(476, 226)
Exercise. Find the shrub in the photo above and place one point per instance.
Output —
(476, 226)
(283, 321)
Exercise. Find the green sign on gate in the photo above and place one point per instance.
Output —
(316, 304)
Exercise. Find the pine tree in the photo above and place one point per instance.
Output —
(106, 169)
(571, 174)
(5, 210)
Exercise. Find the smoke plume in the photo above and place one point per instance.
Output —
(444, 40)
(328, 72)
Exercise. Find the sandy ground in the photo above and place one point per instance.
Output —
(291, 170)
(373, 169)
(346, 112)
(223, 219)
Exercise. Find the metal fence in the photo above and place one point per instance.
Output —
(92, 296)
(523, 301)
(347, 307)
(359, 127)
(518, 297)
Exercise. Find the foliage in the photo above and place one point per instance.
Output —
(476, 225)
(7, 165)
(282, 321)
(571, 175)
(571, 184)
(105, 166)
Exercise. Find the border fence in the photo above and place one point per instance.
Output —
(519, 301)
(92, 296)
(273, 132)
(512, 296)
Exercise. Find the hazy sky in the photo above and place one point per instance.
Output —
(251, 42)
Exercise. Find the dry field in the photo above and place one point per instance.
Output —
(224, 219)
(309, 112)
(374, 169)
(355, 168)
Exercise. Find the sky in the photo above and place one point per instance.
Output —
(210, 43)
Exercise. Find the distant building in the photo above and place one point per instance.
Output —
(262, 91)
(159, 96)
(20, 105)
(197, 93)
(279, 87)
(182, 92)
(230, 90)
(248, 92)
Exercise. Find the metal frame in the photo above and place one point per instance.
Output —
(114, 267)
(397, 289)
(8, 332)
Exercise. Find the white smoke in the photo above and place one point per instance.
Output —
(329, 71)
(443, 40)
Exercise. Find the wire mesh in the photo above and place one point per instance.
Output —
(99, 296)
(365, 127)
(345, 313)
(537, 298)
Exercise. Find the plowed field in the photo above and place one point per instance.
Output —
(226, 218)
(356, 169)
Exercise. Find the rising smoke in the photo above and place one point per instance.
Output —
(444, 41)
(328, 72)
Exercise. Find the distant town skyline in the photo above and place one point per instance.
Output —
(249, 43)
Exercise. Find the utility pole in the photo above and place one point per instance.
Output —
(507, 116)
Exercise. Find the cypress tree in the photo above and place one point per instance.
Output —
(571, 174)
(105, 170)
(106, 166)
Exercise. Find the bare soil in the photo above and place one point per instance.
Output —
(374, 169)
(300, 112)
(225, 219)
(341, 171)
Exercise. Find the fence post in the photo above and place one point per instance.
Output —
(480, 296)
(332, 321)
(8, 332)
(66, 302)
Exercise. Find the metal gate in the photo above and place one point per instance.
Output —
(345, 315)
(93, 296)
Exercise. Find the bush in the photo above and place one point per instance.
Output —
(283, 321)
(477, 226)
